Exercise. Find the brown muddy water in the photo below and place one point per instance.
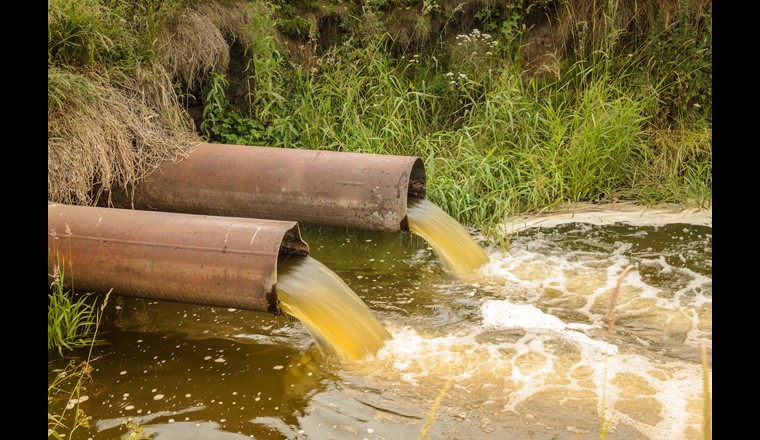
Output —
(519, 349)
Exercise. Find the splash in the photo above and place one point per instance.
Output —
(338, 320)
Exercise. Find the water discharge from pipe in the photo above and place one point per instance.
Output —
(338, 320)
(459, 253)
(381, 192)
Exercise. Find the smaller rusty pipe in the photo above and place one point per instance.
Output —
(355, 190)
(205, 260)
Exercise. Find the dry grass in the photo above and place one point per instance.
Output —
(108, 130)
(193, 48)
(199, 41)
(100, 134)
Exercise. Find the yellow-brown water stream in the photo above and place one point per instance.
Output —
(458, 252)
(340, 322)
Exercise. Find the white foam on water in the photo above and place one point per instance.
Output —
(543, 333)
(533, 272)
(541, 354)
(505, 314)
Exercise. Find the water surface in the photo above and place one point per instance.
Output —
(521, 351)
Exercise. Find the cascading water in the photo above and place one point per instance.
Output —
(458, 252)
(339, 321)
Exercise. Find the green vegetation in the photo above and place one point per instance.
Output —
(609, 104)
(72, 325)
(65, 387)
(497, 142)
(71, 322)
(515, 107)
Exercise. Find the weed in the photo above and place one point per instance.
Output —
(70, 325)
(71, 322)
(136, 431)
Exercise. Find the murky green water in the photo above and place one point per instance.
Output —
(524, 347)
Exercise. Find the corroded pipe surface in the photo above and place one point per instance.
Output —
(206, 260)
(356, 190)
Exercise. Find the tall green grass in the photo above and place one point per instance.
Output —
(92, 35)
(518, 146)
(71, 321)
(496, 142)
(625, 116)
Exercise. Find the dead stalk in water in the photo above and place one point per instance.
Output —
(610, 324)
(613, 299)
(431, 414)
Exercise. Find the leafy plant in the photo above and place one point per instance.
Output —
(226, 125)
(136, 431)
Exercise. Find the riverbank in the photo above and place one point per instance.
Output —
(610, 213)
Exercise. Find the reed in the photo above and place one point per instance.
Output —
(613, 299)
(607, 421)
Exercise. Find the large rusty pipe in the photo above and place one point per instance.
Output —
(198, 259)
(356, 190)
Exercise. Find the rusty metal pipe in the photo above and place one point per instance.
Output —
(198, 259)
(356, 190)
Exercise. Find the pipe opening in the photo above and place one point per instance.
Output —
(292, 244)
(417, 180)
(416, 189)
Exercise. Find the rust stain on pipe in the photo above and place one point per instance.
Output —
(356, 190)
(198, 259)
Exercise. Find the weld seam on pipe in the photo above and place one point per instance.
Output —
(166, 245)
